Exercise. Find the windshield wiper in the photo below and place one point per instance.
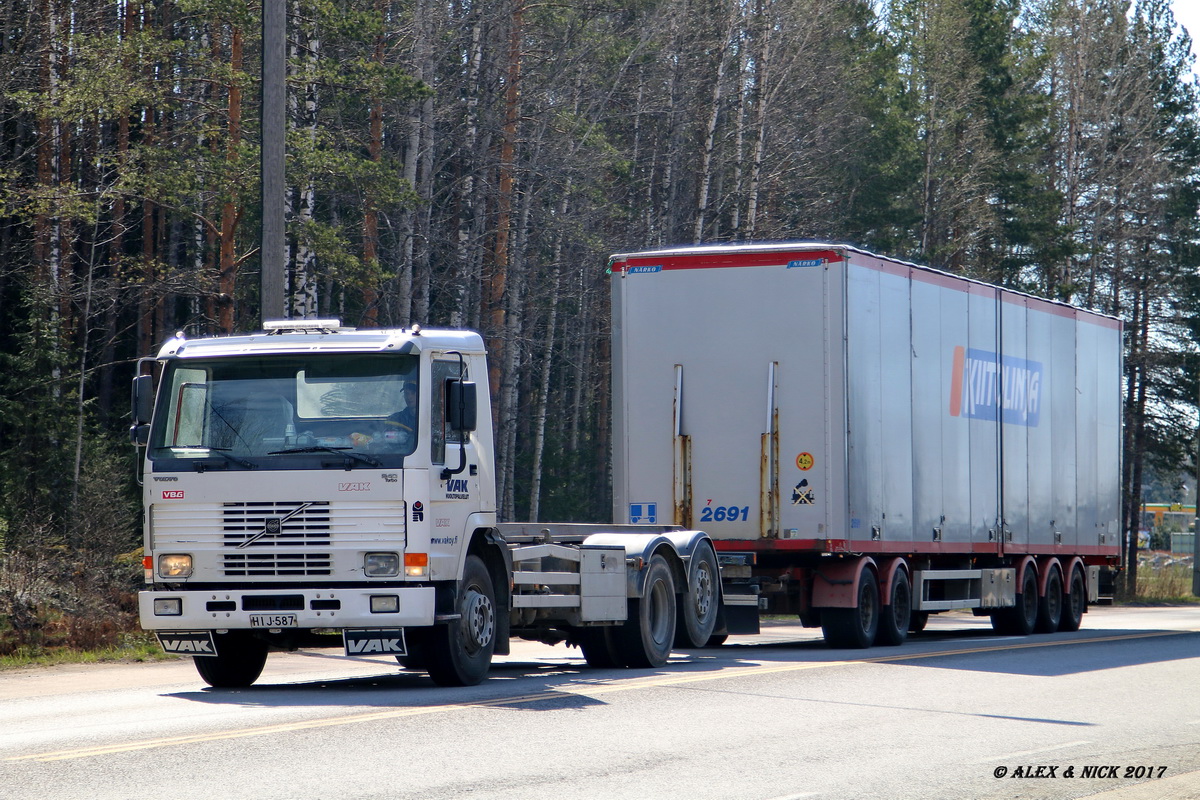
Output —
(222, 452)
(320, 448)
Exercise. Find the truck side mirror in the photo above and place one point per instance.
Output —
(141, 403)
(461, 405)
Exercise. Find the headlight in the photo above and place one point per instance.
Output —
(175, 566)
(385, 604)
(168, 606)
(381, 565)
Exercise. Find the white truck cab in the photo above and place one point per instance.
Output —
(313, 479)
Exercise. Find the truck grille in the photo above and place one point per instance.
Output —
(278, 564)
(288, 524)
(295, 538)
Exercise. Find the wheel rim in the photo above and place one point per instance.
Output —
(866, 607)
(658, 608)
(479, 620)
(702, 591)
(901, 606)
(1054, 599)
(1029, 598)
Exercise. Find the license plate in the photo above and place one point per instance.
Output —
(273, 620)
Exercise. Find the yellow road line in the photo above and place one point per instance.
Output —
(573, 689)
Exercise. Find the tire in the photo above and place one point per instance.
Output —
(917, 621)
(599, 648)
(897, 614)
(1074, 603)
(1021, 619)
(460, 653)
(645, 639)
(417, 642)
(698, 605)
(1050, 605)
(854, 628)
(239, 661)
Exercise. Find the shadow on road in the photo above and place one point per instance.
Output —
(563, 682)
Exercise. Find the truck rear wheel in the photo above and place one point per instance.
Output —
(699, 604)
(239, 661)
(646, 638)
(1074, 603)
(893, 622)
(854, 627)
(460, 653)
(599, 649)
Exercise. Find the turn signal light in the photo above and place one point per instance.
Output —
(416, 565)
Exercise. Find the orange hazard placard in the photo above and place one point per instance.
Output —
(804, 461)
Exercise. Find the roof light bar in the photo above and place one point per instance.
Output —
(279, 325)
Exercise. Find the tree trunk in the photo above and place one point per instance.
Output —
(227, 264)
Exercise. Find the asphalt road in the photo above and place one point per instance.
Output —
(1111, 711)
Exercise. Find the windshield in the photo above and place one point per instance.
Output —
(360, 406)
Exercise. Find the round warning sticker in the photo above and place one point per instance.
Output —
(804, 461)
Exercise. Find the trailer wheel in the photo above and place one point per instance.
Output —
(1021, 618)
(645, 639)
(699, 604)
(239, 661)
(1074, 603)
(460, 653)
(894, 621)
(1050, 606)
(854, 627)
(917, 621)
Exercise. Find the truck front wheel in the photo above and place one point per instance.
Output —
(238, 663)
(460, 653)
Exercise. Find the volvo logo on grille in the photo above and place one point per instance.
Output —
(274, 525)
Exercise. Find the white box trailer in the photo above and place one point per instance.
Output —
(825, 413)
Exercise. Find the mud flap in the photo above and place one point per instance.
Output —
(188, 643)
(375, 642)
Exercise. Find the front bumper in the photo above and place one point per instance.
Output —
(312, 608)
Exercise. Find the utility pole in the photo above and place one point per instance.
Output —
(1196, 523)
(274, 130)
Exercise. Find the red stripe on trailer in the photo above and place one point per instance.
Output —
(726, 260)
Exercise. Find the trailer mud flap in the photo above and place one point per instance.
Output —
(375, 642)
(189, 643)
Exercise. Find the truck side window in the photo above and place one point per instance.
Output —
(438, 433)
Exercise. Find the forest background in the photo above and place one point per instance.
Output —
(474, 162)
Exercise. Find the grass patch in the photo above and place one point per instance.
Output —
(1165, 581)
(1163, 578)
(131, 647)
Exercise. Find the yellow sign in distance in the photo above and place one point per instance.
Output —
(805, 461)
